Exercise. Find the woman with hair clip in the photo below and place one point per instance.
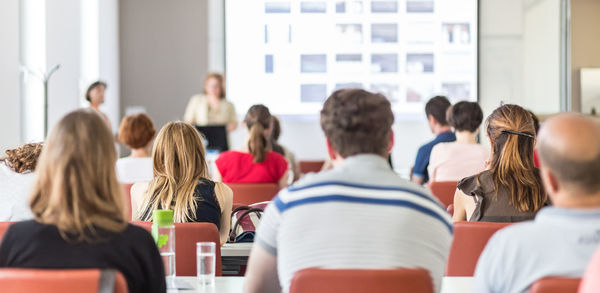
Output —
(181, 182)
(510, 190)
(256, 163)
(79, 218)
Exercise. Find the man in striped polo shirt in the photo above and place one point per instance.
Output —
(359, 215)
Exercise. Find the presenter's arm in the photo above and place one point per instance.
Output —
(190, 111)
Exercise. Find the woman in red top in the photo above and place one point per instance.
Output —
(257, 163)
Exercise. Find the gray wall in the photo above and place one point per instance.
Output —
(163, 55)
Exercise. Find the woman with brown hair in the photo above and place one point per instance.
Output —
(211, 108)
(510, 190)
(16, 178)
(181, 182)
(79, 219)
(136, 132)
(256, 163)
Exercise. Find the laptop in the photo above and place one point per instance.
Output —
(216, 135)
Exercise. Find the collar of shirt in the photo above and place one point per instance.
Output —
(366, 161)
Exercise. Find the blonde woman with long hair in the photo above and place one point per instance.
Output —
(181, 182)
(511, 189)
(79, 219)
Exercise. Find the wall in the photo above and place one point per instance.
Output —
(585, 42)
(9, 75)
(163, 55)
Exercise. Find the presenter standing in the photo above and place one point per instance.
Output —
(95, 95)
(211, 108)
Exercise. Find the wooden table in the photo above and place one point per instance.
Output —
(235, 285)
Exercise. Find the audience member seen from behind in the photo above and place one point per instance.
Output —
(510, 189)
(136, 132)
(563, 238)
(452, 161)
(435, 109)
(181, 182)
(211, 108)
(95, 95)
(369, 212)
(289, 156)
(257, 162)
(78, 208)
(16, 180)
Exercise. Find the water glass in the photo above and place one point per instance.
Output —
(205, 263)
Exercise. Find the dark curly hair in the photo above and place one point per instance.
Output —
(24, 158)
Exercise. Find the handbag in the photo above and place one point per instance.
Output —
(244, 221)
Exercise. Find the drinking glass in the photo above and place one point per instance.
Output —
(205, 263)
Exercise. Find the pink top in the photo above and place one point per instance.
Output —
(590, 282)
(452, 161)
(239, 167)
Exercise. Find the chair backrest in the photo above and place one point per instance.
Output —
(127, 199)
(444, 191)
(469, 241)
(61, 280)
(555, 285)
(402, 280)
(3, 227)
(186, 237)
(310, 166)
(249, 193)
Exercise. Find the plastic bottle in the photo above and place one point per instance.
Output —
(163, 232)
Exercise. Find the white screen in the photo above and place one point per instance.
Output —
(290, 55)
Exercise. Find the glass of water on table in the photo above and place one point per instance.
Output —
(206, 263)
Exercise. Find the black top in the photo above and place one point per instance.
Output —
(208, 209)
(132, 252)
(489, 206)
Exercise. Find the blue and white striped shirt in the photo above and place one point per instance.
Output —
(358, 215)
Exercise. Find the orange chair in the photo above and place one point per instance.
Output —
(61, 280)
(555, 285)
(249, 193)
(127, 199)
(444, 191)
(403, 280)
(310, 166)
(469, 241)
(3, 227)
(186, 237)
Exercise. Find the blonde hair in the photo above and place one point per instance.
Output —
(179, 163)
(512, 133)
(77, 189)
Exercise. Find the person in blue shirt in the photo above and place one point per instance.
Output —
(435, 109)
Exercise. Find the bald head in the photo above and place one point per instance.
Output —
(569, 146)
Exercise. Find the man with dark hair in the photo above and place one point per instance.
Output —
(435, 109)
(562, 239)
(358, 215)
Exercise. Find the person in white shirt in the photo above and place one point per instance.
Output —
(453, 161)
(562, 239)
(137, 132)
(16, 179)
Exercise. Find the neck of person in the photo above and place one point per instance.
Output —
(140, 153)
(577, 200)
(213, 101)
(439, 129)
(465, 137)
(96, 107)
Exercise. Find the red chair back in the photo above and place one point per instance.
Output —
(555, 285)
(310, 166)
(403, 280)
(186, 237)
(469, 241)
(3, 227)
(249, 193)
(444, 191)
(127, 199)
(58, 281)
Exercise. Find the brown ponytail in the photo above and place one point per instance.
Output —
(257, 120)
(512, 133)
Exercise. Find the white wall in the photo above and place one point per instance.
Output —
(9, 75)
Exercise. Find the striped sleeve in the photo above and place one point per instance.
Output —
(266, 234)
